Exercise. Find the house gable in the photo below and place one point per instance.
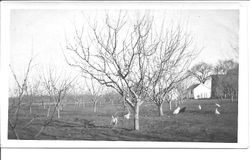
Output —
(202, 91)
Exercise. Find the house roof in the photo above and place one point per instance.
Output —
(202, 85)
(192, 87)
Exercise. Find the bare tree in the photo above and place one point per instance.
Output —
(169, 66)
(217, 69)
(181, 89)
(109, 97)
(81, 93)
(32, 91)
(41, 94)
(201, 72)
(162, 92)
(75, 94)
(222, 67)
(57, 87)
(95, 91)
(230, 82)
(21, 89)
(120, 56)
(171, 96)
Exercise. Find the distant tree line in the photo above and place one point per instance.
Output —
(224, 74)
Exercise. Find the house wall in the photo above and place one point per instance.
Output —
(202, 91)
(208, 83)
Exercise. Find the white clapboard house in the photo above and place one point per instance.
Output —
(200, 91)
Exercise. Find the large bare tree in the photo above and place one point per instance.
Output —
(95, 91)
(56, 86)
(32, 91)
(201, 72)
(170, 64)
(119, 53)
(20, 91)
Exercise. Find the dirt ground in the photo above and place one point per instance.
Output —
(81, 123)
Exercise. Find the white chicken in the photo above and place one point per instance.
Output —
(177, 110)
(218, 105)
(199, 107)
(217, 112)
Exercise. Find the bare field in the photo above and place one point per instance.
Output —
(194, 125)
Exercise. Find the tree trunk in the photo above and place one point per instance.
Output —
(16, 111)
(58, 112)
(16, 134)
(160, 110)
(29, 122)
(14, 130)
(30, 110)
(48, 111)
(170, 105)
(136, 117)
(95, 107)
(40, 131)
(43, 105)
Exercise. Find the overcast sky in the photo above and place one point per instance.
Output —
(212, 29)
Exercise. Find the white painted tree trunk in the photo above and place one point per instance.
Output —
(170, 105)
(136, 118)
(160, 110)
(136, 115)
(48, 111)
(58, 112)
(30, 109)
(95, 107)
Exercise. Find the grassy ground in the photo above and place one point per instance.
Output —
(194, 125)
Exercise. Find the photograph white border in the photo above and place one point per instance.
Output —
(243, 111)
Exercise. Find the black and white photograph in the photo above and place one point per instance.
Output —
(95, 72)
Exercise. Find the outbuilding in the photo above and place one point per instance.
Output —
(202, 91)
